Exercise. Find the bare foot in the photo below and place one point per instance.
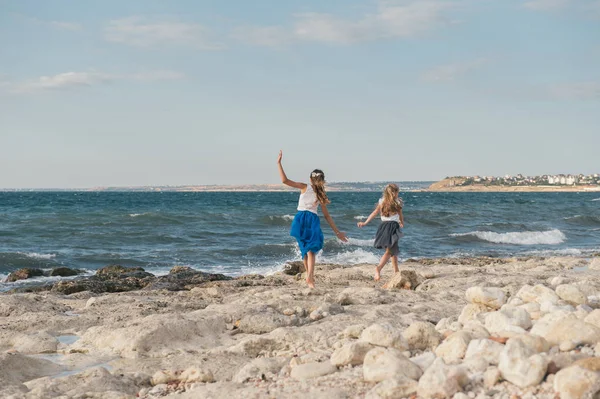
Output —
(310, 282)
(377, 275)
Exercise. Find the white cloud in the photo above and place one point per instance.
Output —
(450, 72)
(142, 32)
(391, 19)
(576, 91)
(69, 80)
(71, 26)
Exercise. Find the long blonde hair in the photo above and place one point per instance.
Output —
(317, 181)
(391, 204)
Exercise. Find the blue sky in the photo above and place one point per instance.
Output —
(118, 93)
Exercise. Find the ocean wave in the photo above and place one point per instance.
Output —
(35, 255)
(134, 215)
(355, 257)
(595, 199)
(359, 242)
(360, 217)
(583, 220)
(550, 237)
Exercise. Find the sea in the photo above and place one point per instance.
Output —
(237, 233)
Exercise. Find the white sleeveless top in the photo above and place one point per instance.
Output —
(308, 200)
(392, 218)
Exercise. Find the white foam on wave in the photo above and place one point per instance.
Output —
(596, 199)
(35, 255)
(355, 257)
(134, 215)
(360, 217)
(358, 242)
(550, 237)
(559, 252)
(284, 217)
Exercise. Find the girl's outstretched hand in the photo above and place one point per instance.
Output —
(342, 236)
(361, 224)
(280, 156)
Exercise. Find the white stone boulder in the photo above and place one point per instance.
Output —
(538, 293)
(491, 297)
(486, 349)
(594, 264)
(506, 319)
(384, 335)
(571, 294)
(442, 380)
(352, 353)
(312, 370)
(383, 363)
(520, 366)
(579, 381)
(424, 360)
(454, 347)
(260, 368)
(40, 342)
(570, 328)
(422, 335)
(471, 311)
(593, 318)
(393, 388)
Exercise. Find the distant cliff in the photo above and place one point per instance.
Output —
(447, 183)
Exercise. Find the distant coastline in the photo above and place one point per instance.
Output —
(470, 184)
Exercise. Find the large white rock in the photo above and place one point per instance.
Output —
(486, 349)
(533, 308)
(384, 335)
(507, 318)
(570, 328)
(534, 343)
(312, 370)
(576, 382)
(520, 366)
(571, 294)
(394, 388)
(593, 318)
(383, 363)
(424, 360)
(471, 311)
(422, 335)
(454, 347)
(489, 296)
(594, 264)
(40, 342)
(539, 294)
(476, 329)
(352, 353)
(259, 367)
(442, 381)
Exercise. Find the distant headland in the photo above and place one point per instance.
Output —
(519, 183)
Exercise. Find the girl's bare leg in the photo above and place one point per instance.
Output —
(395, 263)
(310, 269)
(384, 259)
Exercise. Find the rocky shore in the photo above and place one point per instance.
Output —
(457, 328)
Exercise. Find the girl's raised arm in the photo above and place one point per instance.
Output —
(327, 216)
(284, 178)
(371, 216)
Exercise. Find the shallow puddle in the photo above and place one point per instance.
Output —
(67, 339)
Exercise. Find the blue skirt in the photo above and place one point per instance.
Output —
(306, 228)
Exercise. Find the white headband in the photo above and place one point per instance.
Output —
(316, 174)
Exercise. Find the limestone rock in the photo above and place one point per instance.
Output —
(491, 377)
(471, 311)
(384, 363)
(40, 342)
(405, 279)
(393, 388)
(570, 328)
(491, 297)
(384, 335)
(312, 370)
(593, 318)
(259, 368)
(576, 382)
(442, 381)
(454, 347)
(424, 360)
(352, 331)
(571, 294)
(594, 264)
(422, 335)
(293, 268)
(352, 353)
(538, 293)
(264, 322)
(507, 318)
(520, 366)
(486, 349)
(64, 272)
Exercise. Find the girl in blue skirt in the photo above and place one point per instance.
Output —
(306, 227)
(389, 231)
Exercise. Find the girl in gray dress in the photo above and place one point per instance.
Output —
(389, 231)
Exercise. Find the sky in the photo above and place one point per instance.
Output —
(154, 92)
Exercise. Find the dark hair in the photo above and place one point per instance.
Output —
(317, 181)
